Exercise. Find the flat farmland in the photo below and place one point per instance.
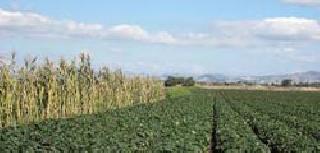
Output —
(188, 120)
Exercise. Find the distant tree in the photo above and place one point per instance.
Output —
(189, 82)
(286, 82)
(173, 81)
(169, 82)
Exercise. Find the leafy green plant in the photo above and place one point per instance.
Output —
(188, 120)
(172, 125)
(278, 126)
(234, 133)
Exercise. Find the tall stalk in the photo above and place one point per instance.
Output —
(36, 92)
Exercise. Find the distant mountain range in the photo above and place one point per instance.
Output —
(299, 76)
(310, 76)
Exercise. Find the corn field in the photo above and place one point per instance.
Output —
(35, 92)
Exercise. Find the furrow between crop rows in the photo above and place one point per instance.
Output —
(214, 138)
(303, 119)
(231, 127)
(278, 135)
(256, 131)
(304, 126)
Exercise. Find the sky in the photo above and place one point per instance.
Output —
(233, 37)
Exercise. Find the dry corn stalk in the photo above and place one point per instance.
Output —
(37, 92)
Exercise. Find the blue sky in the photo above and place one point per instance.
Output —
(235, 37)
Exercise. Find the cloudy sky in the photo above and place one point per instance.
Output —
(235, 37)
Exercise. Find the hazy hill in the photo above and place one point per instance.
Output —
(218, 77)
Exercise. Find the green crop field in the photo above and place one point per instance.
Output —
(188, 120)
(172, 125)
(268, 121)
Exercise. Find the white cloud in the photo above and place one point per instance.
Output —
(22, 19)
(129, 31)
(289, 28)
(229, 34)
(164, 37)
(304, 2)
(32, 24)
(279, 30)
(136, 32)
(289, 38)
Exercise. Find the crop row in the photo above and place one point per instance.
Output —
(180, 124)
(304, 123)
(189, 120)
(270, 126)
(303, 116)
(233, 132)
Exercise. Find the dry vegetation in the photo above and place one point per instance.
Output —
(35, 92)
